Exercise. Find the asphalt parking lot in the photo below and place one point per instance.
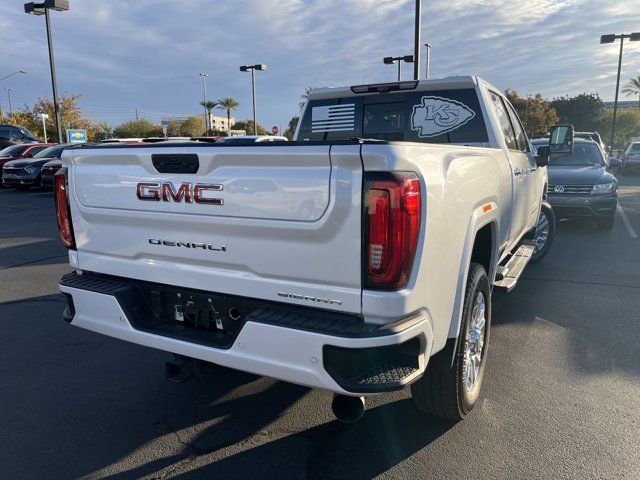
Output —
(560, 398)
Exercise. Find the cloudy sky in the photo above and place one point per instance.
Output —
(145, 54)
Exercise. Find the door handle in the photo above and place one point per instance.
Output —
(518, 171)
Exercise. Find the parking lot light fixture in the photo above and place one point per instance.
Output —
(611, 38)
(43, 9)
(23, 72)
(253, 68)
(399, 60)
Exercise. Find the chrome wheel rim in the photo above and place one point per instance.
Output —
(542, 232)
(474, 342)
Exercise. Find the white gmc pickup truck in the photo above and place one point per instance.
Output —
(359, 259)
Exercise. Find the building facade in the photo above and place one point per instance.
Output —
(219, 123)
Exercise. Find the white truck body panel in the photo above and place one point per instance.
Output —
(292, 227)
(290, 237)
(292, 355)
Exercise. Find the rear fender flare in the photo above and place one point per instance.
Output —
(479, 219)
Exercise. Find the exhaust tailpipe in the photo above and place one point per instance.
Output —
(348, 409)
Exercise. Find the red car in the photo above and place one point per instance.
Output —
(16, 152)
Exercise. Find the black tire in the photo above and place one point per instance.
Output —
(442, 390)
(542, 250)
(607, 223)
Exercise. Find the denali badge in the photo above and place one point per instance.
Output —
(309, 298)
(186, 192)
(173, 243)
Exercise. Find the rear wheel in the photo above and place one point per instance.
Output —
(451, 389)
(544, 232)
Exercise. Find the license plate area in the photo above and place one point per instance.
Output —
(201, 317)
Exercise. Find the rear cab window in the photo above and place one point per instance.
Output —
(431, 116)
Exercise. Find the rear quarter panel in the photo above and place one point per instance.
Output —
(463, 189)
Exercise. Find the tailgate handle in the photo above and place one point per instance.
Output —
(175, 162)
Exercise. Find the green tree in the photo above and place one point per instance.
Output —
(535, 112)
(192, 127)
(585, 111)
(103, 131)
(137, 129)
(71, 116)
(228, 104)
(633, 88)
(208, 105)
(247, 125)
(291, 129)
(627, 125)
(304, 97)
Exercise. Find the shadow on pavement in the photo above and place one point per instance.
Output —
(45, 252)
(386, 436)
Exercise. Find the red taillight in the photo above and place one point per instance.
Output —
(392, 225)
(62, 208)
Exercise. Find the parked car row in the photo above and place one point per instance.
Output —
(28, 165)
(26, 170)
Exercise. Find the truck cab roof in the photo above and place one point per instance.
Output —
(451, 82)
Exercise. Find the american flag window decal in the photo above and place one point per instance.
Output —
(333, 118)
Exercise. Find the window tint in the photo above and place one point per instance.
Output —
(384, 120)
(5, 132)
(12, 151)
(521, 136)
(583, 154)
(443, 116)
(52, 152)
(35, 150)
(505, 122)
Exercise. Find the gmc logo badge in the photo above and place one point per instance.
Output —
(186, 192)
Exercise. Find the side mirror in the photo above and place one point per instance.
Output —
(614, 162)
(542, 156)
(561, 140)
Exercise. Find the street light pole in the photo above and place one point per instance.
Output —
(43, 9)
(204, 101)
(253, 68)
(253, 94)
(611, 39)
(44, 125)
(54, 83)
(416, 41)
(9, 90)
(428, 49)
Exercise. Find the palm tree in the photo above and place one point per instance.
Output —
(208, 106)
(633, 87)
(305, 97)
(228, 104)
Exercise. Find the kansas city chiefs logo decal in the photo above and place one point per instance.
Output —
(436, 115)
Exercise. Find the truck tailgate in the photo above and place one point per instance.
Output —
(277, 222)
